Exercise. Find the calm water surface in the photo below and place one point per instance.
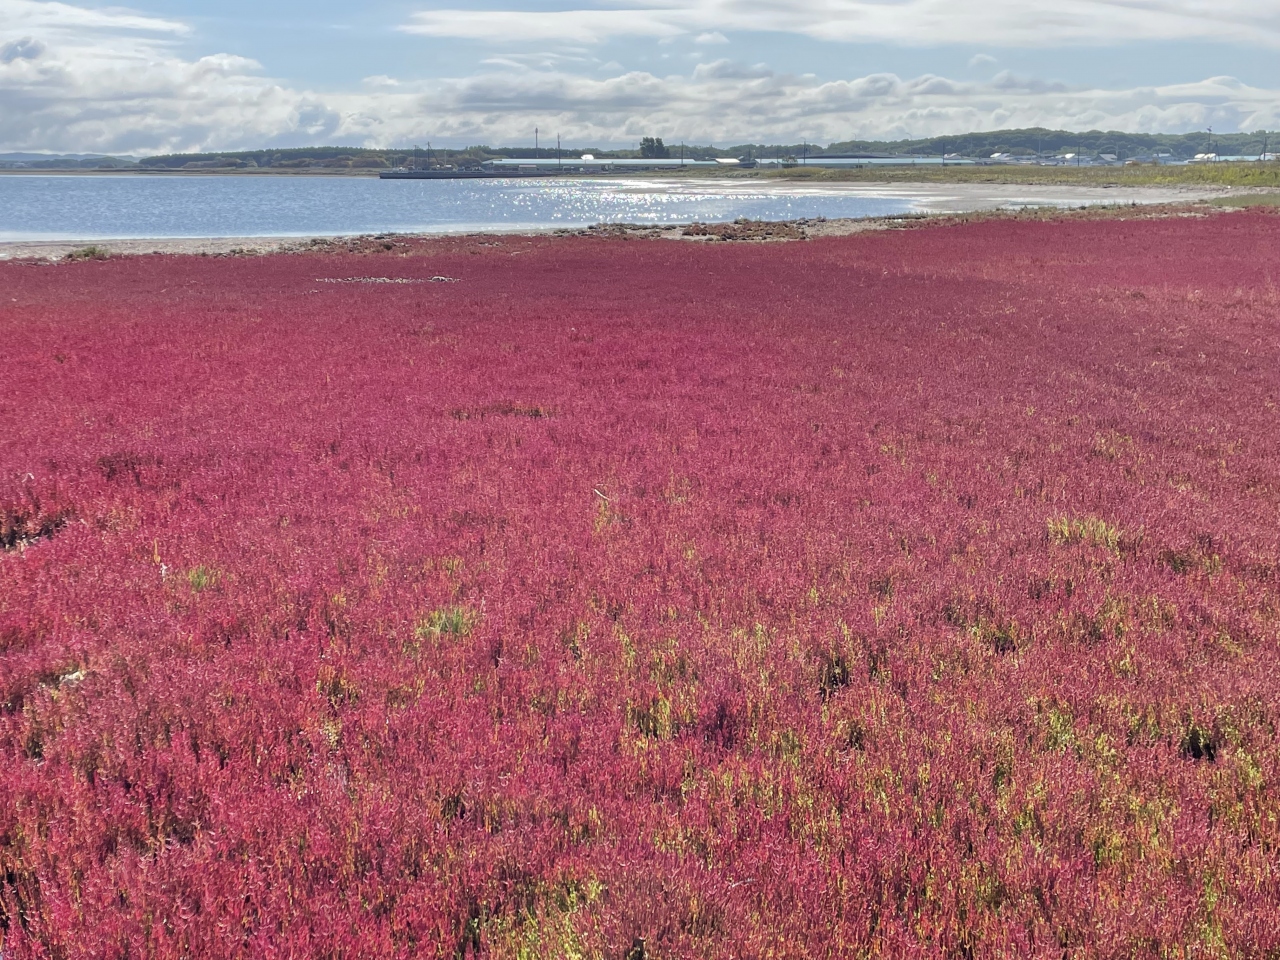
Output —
(36, 207)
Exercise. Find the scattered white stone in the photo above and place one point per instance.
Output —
(386, 280)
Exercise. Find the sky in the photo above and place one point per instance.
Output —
(161, 76)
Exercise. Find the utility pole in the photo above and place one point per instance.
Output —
(535, 143)
(557, 151)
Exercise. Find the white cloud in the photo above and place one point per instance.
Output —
(111, 80)
(78, 81)
(219, 103)
(569, 26)
(981, 60)
(713, 36)
(1010, 23)
(542, 60)
(729, 70)
(63, 19)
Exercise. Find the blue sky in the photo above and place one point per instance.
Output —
(186, 74)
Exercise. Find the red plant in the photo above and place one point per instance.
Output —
(907, 594)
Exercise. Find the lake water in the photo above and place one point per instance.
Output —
(35, 207)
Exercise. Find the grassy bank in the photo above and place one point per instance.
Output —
(1207, 175)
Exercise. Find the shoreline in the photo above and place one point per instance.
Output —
(53, 250)
(740, 229)
(935, 207)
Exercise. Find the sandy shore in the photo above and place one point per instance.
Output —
(929, 200)
(975, 197)
(211, 246)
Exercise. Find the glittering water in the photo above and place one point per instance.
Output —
(43, 207)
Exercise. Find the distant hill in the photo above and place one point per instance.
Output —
(1038, 140)
(355, 157)
(53, 156)
(1016, 142)
(296, 157)
(62, 161)
(1027, 142)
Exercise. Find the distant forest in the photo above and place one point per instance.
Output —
(1182, 146)
(1031, 142)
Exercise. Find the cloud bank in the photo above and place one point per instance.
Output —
(1008, 23)
(79, 80)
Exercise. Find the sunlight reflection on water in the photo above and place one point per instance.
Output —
(43, 207)
(87, 207)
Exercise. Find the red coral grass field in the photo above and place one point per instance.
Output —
(909, 594)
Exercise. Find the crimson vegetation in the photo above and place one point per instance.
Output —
(904, 594)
